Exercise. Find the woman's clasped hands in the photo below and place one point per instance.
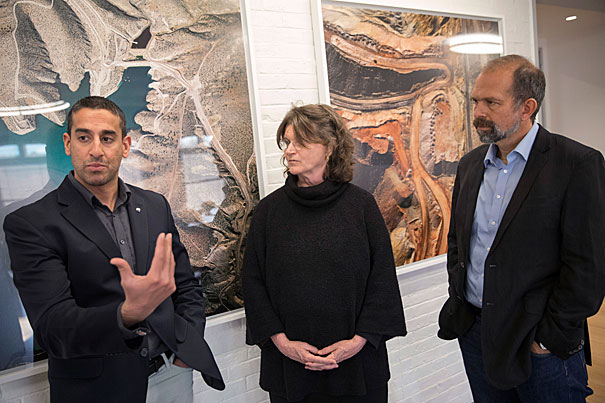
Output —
(314, 359)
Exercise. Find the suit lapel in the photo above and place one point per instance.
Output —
(138, 212)
(81, 216)
(137, 215)
(537, 159)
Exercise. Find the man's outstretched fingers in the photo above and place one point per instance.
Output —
(171, 257)
(123, 267)
(157, 264)
(163, 261)
(168, 259)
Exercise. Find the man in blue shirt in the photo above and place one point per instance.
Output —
(525, 247)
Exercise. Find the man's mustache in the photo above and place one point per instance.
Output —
(483, 122)
(96, 161)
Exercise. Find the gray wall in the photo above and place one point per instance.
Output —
(573, 55)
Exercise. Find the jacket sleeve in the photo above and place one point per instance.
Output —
(452, 240)
(262, 321)
(188, 297)
(382, 310)
(189, 316)
(456, 272)
(62, 328)
(455, 318)
(579, 290)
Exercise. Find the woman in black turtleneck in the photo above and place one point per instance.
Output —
(319, 278)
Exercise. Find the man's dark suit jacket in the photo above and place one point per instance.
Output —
(60, 254)
(544, 273)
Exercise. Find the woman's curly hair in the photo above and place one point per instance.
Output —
(319, 123)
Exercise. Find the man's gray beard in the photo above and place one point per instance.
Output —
(496, 134)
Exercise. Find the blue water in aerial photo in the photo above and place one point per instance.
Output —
(130, 96)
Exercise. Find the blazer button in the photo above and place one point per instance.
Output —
(144, 352)
(571, 352)
(462, 264)
(581, 342)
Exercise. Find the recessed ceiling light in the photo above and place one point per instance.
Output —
(476, 43)
(571, 18)
(33, 109)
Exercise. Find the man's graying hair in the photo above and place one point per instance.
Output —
(95, 102)
(528, 80)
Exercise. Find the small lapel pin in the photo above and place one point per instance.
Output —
(138, 209)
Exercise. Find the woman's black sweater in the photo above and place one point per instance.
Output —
(319, 267)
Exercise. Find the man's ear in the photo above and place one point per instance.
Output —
(67, 143)
(126, 143)
(528, 108)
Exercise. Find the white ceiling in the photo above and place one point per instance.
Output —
(593, 5)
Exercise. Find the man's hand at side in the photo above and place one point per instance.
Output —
(179, 363)
(145, 293)
(536, 349)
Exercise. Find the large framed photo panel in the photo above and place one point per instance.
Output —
(182, 73)
(406, 99)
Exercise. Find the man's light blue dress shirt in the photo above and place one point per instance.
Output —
(499, 182)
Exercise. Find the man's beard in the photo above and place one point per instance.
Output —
(92, 179)
(494, 134)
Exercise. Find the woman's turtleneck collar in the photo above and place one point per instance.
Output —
(314, 196)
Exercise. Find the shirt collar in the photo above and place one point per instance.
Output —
(523, 148)
(91, 199)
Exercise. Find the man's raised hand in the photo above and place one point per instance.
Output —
(145, 293)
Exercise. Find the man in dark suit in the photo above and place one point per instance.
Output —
(525, 248)
(108, 330)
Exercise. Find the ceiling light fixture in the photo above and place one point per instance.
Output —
(34, 109)
(571, 18)
(476, 44)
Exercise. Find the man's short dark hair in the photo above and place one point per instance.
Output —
(96, 102)
(528, 80)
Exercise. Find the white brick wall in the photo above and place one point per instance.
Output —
(424, 368)
(31, 389)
